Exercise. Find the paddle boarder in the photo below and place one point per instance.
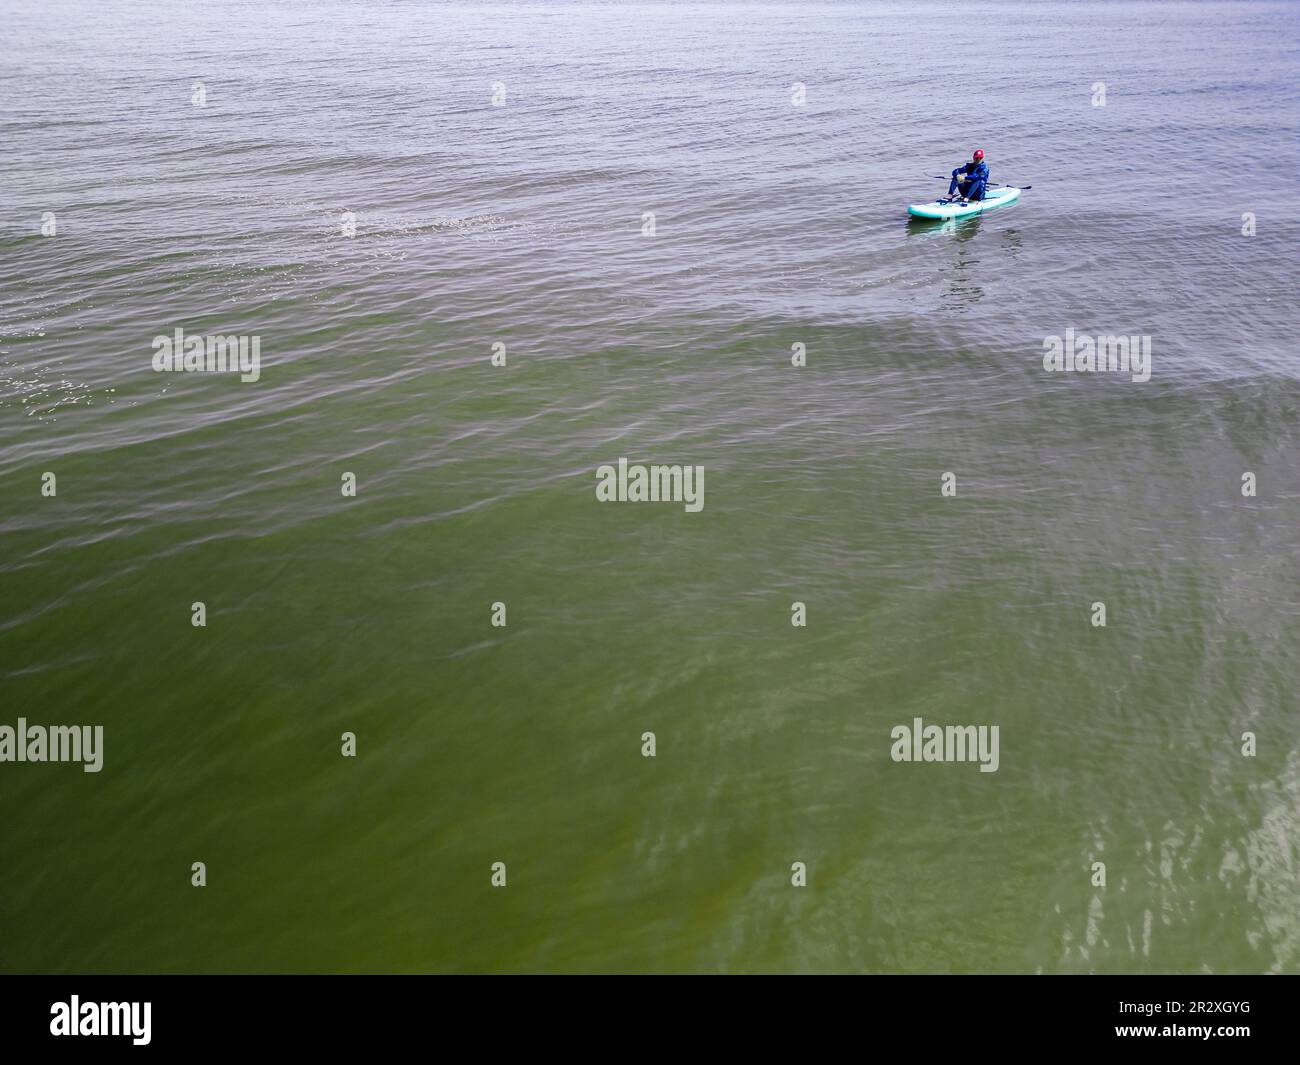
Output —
(977, 177)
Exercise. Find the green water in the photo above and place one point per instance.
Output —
(522, 743)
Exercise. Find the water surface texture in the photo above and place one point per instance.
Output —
(776, 223)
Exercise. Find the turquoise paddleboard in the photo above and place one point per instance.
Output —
(956, 209)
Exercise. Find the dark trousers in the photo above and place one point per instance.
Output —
(973, 190)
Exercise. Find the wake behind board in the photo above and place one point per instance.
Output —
(951, 209)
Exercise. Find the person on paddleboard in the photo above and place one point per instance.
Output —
(977, 177)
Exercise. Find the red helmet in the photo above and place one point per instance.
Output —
(979, 153)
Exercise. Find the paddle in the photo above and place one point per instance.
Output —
(991, 184)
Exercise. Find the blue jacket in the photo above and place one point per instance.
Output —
(978, 175)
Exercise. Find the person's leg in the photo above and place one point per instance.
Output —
(952, 186)
(964, 188)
